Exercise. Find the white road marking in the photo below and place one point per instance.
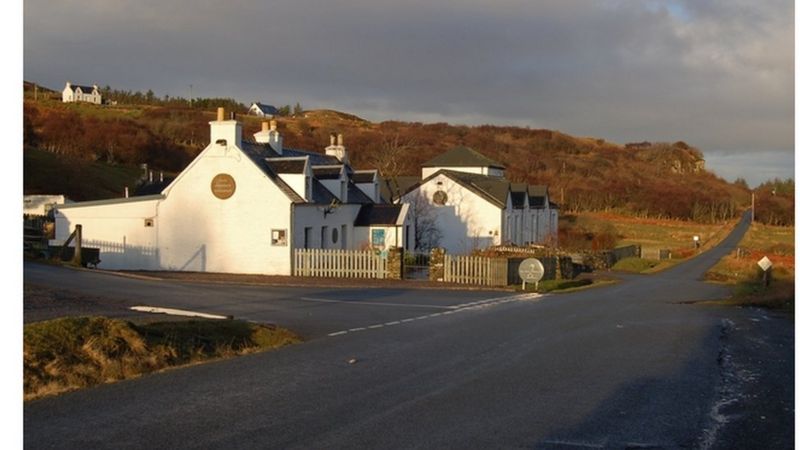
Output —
(177, 312)
(357, 302)
(451, 309)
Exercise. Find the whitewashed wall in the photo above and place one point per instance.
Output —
(314, 217)
(118, 230)
(200, 232)
(466, 221)
(394, 236)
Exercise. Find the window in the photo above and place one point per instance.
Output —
(323, 234)
(278, 237)
(334, 235)
(439, 198)
(307, 237)
(378, 237)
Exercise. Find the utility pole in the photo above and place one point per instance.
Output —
(752, 207)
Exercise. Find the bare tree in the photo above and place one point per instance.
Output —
(427, 234)
(390, 157)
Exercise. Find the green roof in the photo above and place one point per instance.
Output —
(462, 157)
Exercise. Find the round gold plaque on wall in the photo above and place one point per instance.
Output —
(223, 186)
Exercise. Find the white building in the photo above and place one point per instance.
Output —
(263, 110)
(77, 93)
(473, 205)
(41, 205)
(240, 207)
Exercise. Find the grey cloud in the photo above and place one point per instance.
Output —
(718, 74)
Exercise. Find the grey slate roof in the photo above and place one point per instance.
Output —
(84, 89)
(356, 195)
(287, 165)
(267, 109)
(373, 214)
(537, 196)
(327, 173)
(363, 176)
(493, 189)
(392, 188)
(258, 154)
(321, 194)
(462, 157)
(316, 159)
(265, 155)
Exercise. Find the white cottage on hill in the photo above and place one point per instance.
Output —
(78, 93)
(471, 204)
(242, 207)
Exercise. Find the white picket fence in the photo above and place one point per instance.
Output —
(476, 270)
(338, 263)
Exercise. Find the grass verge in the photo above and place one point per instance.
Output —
(740, 268)
(71, 353)
(636, 265)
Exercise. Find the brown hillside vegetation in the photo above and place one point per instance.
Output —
(659, 180)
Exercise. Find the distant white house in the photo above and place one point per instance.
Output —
(262, 110)
(242, 207)
(473, 205)
(41, 205)
(78, 93)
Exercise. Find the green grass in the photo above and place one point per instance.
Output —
(71, 353)
(635, 265)
(740, 268)
(655, 234)
(558, 285)
(48, 173)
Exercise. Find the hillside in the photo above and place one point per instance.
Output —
(584, 174)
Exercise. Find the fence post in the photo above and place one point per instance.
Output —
(437, 269)
(394, 263)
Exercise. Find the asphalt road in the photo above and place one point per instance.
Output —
(633, 365)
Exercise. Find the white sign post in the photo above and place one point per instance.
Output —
(531, 270)
(766, 266)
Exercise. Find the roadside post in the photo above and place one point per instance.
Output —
(766, 266)
(696, 241)
(531, 270)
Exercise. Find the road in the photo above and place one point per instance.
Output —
(632, 365)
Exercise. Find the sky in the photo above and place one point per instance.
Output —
(717, 74)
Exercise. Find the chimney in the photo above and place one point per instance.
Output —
(269, 135)
(337, 148)
(226, 132)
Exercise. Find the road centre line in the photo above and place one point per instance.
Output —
(463, 307)
(410, 305)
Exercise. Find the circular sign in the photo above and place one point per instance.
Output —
(223, 186)
(531, 270)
